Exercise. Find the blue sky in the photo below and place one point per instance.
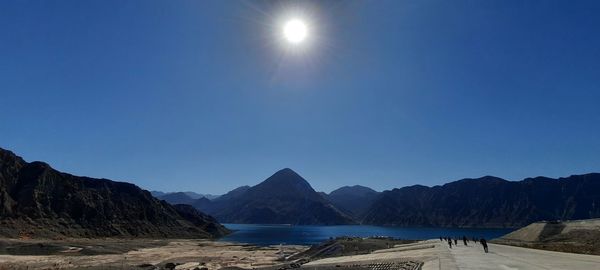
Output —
(202, 96)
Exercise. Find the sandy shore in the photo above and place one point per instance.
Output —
(189, 254)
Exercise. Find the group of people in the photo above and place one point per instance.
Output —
(465, 240)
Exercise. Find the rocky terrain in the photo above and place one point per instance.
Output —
(39, 201)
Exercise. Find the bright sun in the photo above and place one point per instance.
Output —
(295, 31)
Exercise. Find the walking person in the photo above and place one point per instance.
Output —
(465, 240)
(450, 242)
(484, 244)
(455, 242)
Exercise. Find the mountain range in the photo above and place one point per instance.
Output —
(39, 201)
(283, 198)
(488, 201)
(182, 195)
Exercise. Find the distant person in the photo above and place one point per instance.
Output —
(484, 244)
(455, 242)
(465, 240)
(441, 240)
(450, 242)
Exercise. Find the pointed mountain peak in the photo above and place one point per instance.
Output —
(285, 175)
(285, 180)
(286, 171)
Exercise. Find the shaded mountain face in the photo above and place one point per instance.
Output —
(283, 198)
(38, 201)
(489, 202)
(177, 198)
(232, 194)
(203, 203)
(353, 200)
(219, 204)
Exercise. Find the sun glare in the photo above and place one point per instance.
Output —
(295, 31)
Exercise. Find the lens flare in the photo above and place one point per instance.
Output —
(295, 31)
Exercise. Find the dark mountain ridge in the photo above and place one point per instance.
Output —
(489, 202)
(36, 200)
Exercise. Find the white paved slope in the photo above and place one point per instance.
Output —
(515, 258)
(440, 257)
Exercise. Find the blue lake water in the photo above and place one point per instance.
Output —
(260, 234)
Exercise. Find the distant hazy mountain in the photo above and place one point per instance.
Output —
(489, 202)
(177, 198)
(283, 198)
(157, 194)
(188, 194)
(195, 195)
(36, 200)
(354, 200)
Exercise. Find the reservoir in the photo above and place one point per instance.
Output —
(274, 234)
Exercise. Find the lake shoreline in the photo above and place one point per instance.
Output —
(274, 234)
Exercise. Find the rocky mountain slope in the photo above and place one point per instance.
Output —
(283, 198)
(489, 202)
(38, 201)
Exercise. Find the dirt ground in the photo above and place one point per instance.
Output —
(576, 241)
(136, 254)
